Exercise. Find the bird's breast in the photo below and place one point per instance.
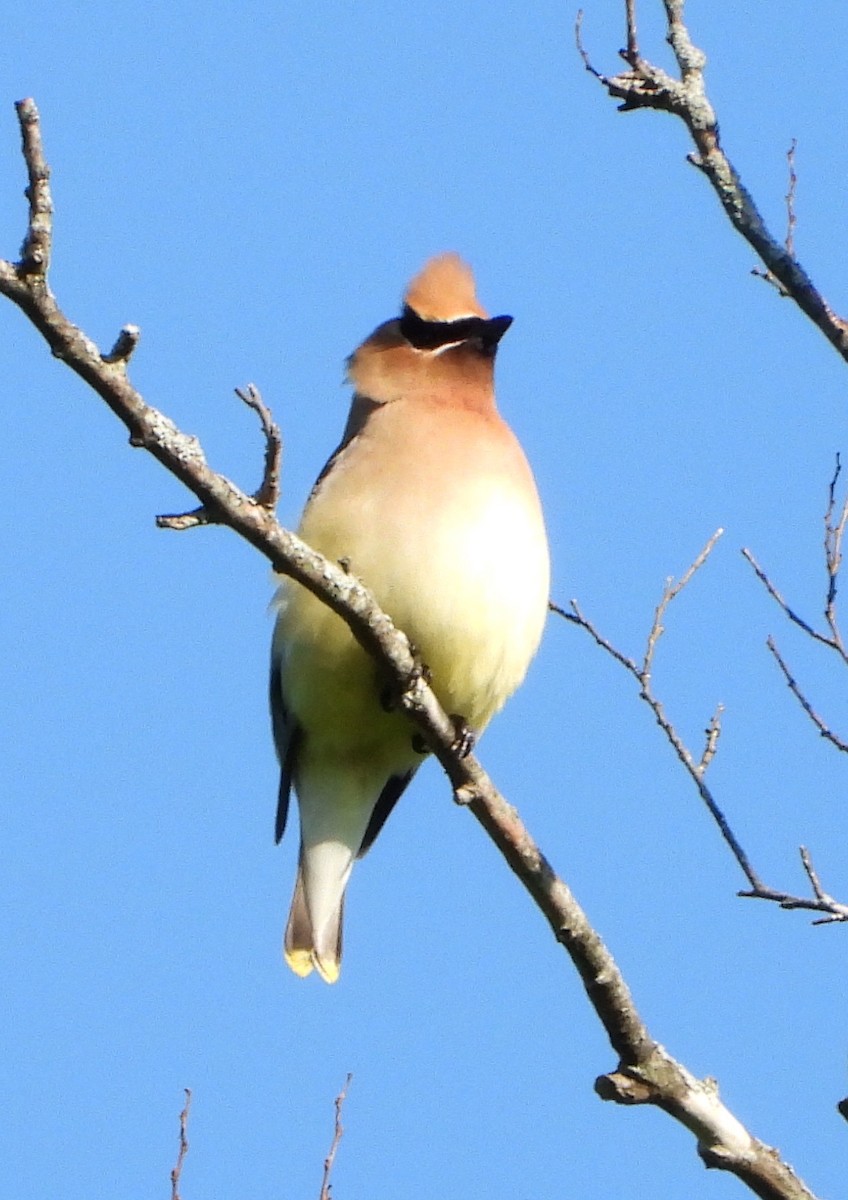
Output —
(441, 520)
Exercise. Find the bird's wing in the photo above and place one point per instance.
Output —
(388, 798)
(286, 739)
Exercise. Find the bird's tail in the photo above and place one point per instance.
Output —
(313, 937)
(342, 808)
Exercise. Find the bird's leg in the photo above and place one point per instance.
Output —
(464, 736)
(463, 742)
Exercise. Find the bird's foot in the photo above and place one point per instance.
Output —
(464, 739)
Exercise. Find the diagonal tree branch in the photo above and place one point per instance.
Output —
(646, 1073)
(645, 85)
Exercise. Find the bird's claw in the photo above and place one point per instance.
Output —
(464, 739)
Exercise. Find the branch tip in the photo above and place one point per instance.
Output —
(37, 244)
(125, 344)
(267, 494)
(183, 1150)
(186, 520)
(338, 1130)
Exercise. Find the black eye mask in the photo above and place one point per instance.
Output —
(481, 332)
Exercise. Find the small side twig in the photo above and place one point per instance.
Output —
(268, 492)
(791, 223)
(711, 735)
(824, 729)
(125, 344)
(835, 523)
(778, 599)
(671, 591)
(834, 535)
(337, 1137)
(642, 674)
(631, 54)
(183, 1151)
(820, 901)
(791, 218)
(266, 495)
(37, 245)
(581, 49)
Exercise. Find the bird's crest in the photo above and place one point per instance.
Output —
(444, 290)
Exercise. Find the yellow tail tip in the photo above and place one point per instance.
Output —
(303, 962)
(328, 968)
(300, 962)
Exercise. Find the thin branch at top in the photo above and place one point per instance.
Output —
(645, 85)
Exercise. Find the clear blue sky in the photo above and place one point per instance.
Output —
(254, 189)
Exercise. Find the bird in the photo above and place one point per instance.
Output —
(429, 500)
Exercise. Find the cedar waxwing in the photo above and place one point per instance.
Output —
(431, 502)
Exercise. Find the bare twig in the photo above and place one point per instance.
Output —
(36, 249)
(581, 49)
(125, 344)
(791, 218)
(820, 902)
(791, 222)
(337, 1137)
(660, 1080)
(834, 533)
(645, 85)
(778, 598)
(711, 734)
(187, 520)
(672, 590)
(642, 674)
(824, 729)
(268, 492)
(631, 54)
(178, 1169)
